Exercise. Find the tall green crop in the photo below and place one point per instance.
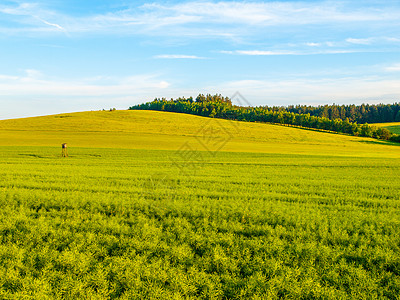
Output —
(114, 223)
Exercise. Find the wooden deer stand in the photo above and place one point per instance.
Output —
(64, 152)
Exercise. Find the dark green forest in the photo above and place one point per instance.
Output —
(364, 113)
(349, 119)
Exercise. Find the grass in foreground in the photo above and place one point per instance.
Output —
(115, 223)
(287, 213)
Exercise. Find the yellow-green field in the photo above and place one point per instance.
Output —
(156, 205)
(169, 131)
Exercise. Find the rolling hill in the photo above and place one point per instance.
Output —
(169, 131)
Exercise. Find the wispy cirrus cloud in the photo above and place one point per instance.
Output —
(366, 41)
(273, 13)
(263, 53)
(205, 18)
(287, 52)
(51, 24)
(178, 56)
(30, 16)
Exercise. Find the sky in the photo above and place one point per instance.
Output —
(63, 56)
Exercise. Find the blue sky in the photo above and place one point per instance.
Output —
(63, 56)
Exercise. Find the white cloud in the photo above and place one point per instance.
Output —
(8, 77)
(31, 16)
(271, 13)
(219, 12)
(178, 56)
(304, 91)
(21, 9)
(367, 41)
(51, 24)
(287, 52)
(34, 94)
(200, 18)
(392, 39)
(32, 74)
(260, 52)
(313, 44)
(393, 68)
(34, 84)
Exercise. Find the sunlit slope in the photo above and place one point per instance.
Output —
(169, 131)
(392, 127)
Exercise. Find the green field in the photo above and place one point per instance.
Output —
(155, 205)
(392, 127)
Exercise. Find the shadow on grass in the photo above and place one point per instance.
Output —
(32, 155)
(39, 156)
(375, 142)
(381, 142)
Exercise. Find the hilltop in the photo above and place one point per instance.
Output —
(169, 131)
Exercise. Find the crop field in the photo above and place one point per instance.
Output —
(392, 127)
(222, 210)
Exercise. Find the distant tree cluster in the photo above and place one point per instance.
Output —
(217, 106)
(364, 113)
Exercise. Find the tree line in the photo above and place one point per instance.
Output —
(217, 106)
(364, 113)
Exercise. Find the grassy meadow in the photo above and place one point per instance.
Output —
(155, 205)
(392, 127)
